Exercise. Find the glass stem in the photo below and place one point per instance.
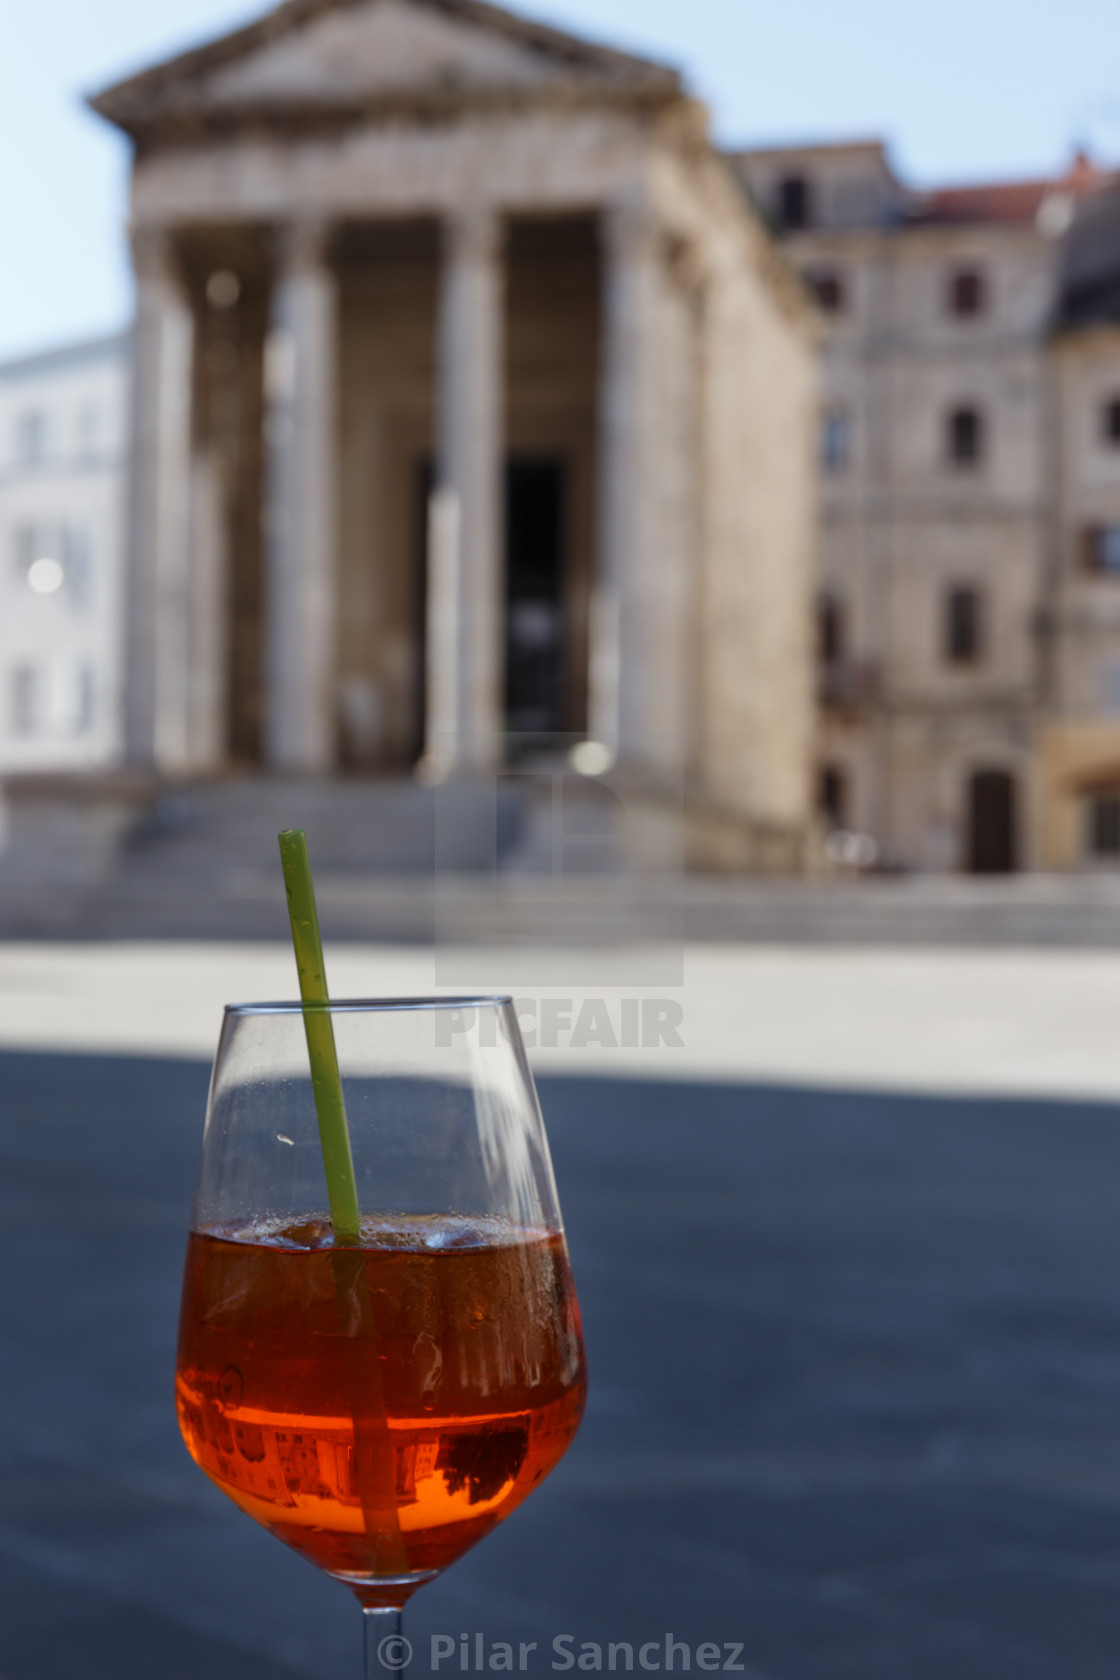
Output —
(386, 1649)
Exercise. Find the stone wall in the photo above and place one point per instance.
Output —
(755, 707)
(902, 524)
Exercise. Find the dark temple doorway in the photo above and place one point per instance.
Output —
(535, 535)
(992, 848)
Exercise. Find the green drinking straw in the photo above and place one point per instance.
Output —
(374, 1462)
(326, 1081)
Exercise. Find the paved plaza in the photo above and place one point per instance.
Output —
(853, 1322)
(950, 1021)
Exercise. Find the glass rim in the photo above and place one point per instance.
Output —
(372, 1006)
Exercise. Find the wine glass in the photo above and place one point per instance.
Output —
(379, 1405)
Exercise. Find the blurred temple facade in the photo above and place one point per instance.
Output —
(969, 610)
(472, 405)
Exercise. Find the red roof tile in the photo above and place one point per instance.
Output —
(1008, 201)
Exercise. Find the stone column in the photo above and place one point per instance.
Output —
(627, 476)
(441, 658)
(207, 690)
(157, 727)
(301, 564)
(470, 462)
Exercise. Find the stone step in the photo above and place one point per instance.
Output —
(127, 831)
(81, 830)
(471, 909)
(396, 828)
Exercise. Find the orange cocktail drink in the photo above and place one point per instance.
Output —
(444, 1349)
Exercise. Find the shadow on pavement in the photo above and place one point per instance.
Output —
(855, 1395)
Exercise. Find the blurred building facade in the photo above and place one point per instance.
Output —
(969, 611)
(63, 449)
(386, 248)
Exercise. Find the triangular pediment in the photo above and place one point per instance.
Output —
(320, 54)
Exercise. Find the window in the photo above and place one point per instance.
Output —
(40, 557)
(48, 557)
(1102, 549)
(23, 699)
(967, 293)
(83, 699)
(1109, 692)
(1104, 823)
(77, 561)
(1110, 421)
(89, 432)
(832, 795)
(23, 551)
(835, 440)
(962, 625)
(31, 438)
(828, 287)
(830, 629)
(965, 437)
(794, 202)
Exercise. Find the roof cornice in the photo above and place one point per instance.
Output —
(185, 126)
(142, 103)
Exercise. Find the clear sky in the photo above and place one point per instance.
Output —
(961, 89)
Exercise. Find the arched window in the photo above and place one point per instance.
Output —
(968, 293)
(964, 436)
(830, 628)
(832, 796)
(963, 627)
(1101, 544)
(828, 288)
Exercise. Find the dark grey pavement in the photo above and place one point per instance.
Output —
(855, 1395)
